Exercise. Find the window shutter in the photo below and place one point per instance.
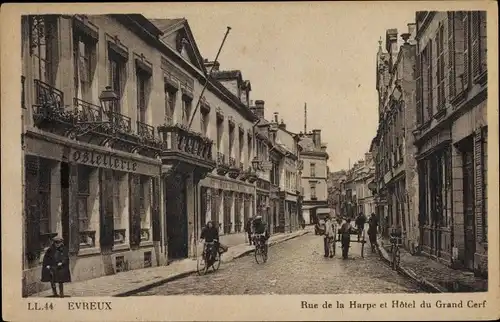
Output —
(32, 210)
(475, 43)
(418, 94)
(484, 164)
(74, 223)
(451, 56)
(466, 73)
(483, 45)
(438, 67)
(107, 221)
(134, 210)
(156, 210)
(429, 82)
(478, 168)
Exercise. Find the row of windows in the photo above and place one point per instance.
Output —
(43, 38)
(450, 62)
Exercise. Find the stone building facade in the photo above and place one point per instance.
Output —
(451, 137)
(396, 173)
(314, 175)
(118, 156)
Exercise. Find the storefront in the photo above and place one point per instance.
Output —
(104, 203)
(227, 202)
(263, 203)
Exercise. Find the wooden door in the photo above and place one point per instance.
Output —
(469, 219)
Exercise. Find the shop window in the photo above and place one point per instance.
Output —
(44, 182)
(83, 197)
(118, 205)
(145, 203)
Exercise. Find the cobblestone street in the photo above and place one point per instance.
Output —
(294, 267)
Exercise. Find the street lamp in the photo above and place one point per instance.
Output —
(108, 98)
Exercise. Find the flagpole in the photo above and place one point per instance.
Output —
(209, 74)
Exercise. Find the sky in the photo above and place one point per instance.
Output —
(322, 54)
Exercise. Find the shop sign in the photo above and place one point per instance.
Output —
(103, 160)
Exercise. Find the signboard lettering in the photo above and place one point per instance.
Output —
(108, 160)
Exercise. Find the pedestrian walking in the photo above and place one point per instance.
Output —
(56, 266)
(248, 230)
(360, 224)
(345, 231)
(328, 235)
(372, 230)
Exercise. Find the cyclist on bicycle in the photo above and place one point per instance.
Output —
(260, 231)
(210, 234)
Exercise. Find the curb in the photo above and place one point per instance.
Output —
(162, 281)
(405, 272)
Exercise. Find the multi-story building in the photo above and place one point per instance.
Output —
(396, 174)
(451, 137)
(334, 191)
(262, 165)
(355, 193)
(287, 144)
(115, 149)
(314, 160)
(277, 163)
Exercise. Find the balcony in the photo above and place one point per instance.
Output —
(222, 165)
(120, 123)
(234, 170)
(252, 176)
(145, 131)
(191, 149)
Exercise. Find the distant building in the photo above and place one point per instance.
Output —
(334, 184)
(356, 195)
(314, 176)
(393, 149)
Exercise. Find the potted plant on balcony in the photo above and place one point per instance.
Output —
(222, 165)
(234, 170)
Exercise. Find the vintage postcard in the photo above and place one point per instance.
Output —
(261, 161)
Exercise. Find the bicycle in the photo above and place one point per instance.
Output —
(395, 240)
(210, 258)
(260, 252)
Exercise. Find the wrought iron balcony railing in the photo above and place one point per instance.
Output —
(120, 122)
(87, 112)
(48, 95)
(145, 131)
(180, 139)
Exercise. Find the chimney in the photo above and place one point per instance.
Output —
(282, 125)
(258, 109)
(276, 117)
(316, 137)
(208, 64)
(391, 45)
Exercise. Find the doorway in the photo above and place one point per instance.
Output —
(468, 197)
(176, 217)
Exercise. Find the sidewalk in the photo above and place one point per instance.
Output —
(432, 275)
(131, 282)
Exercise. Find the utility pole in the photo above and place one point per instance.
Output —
(305, 118)
(208, 77)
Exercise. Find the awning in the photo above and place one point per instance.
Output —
(322, 211)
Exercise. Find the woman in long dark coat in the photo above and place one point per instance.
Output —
(56, 266)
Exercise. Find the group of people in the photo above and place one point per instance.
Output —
(254, 226)
(346, 230)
